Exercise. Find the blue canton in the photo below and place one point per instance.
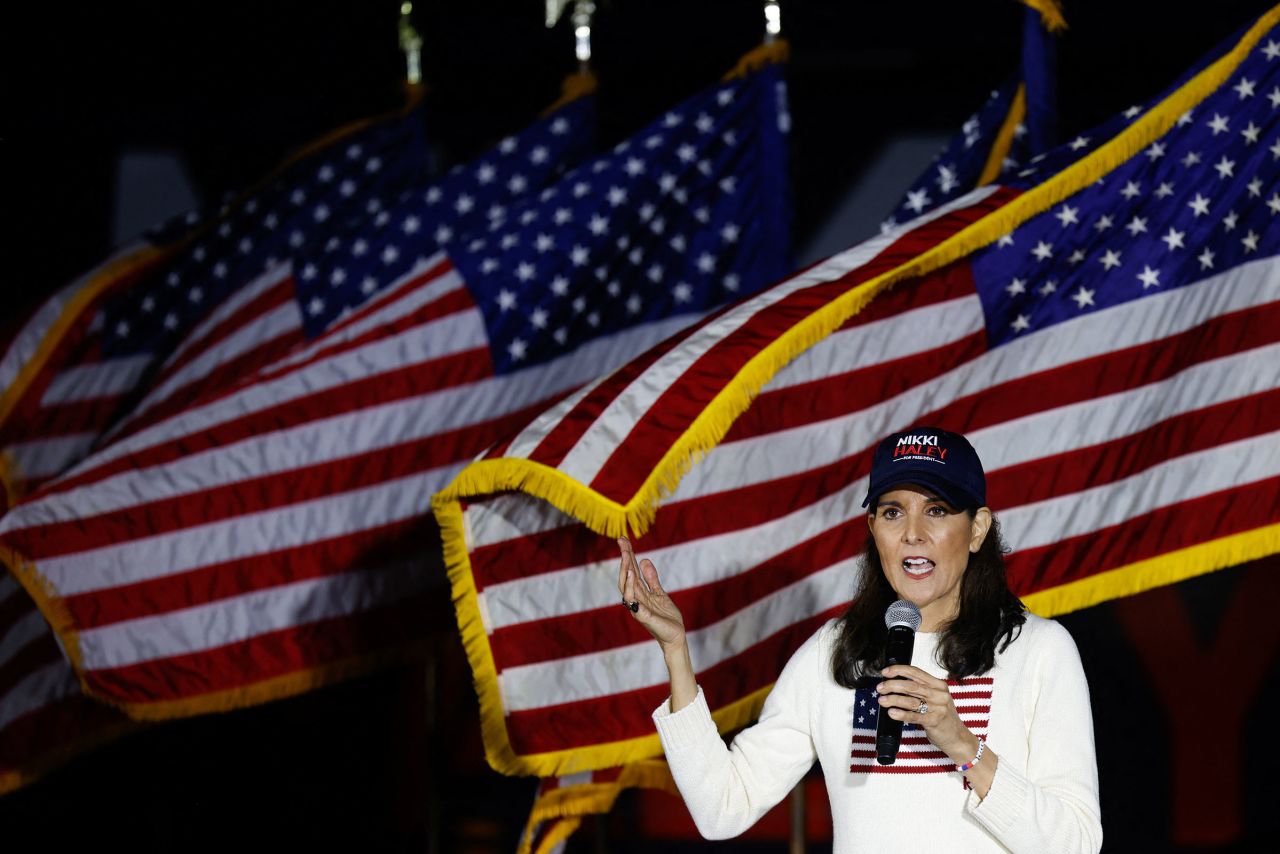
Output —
(431, 216)
(690, 212)
(1201, 199)
(302, 206)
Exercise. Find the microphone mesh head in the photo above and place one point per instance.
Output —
(902, 613)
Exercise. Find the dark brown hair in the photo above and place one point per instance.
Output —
(990, 616)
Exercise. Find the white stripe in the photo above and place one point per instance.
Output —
(276, 323)
(27, 628)
(244, 537)
(110, 378)
(240, 618)
(43, 687)
(1180, 479)
(237, 300)
(908, 333)
(592, 450)
(627, 668)
(28, 339)
(46, 457)
(732, 465)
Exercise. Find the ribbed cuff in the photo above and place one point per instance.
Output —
(1006, 801)
(687, 727)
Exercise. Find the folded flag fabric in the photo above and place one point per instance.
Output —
(1017, 122)
(277, 534)
(1106, 338)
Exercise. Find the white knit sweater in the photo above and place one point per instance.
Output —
(1044, 798)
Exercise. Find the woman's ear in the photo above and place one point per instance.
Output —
(978, 528)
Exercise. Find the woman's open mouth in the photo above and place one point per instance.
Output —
(917, 567)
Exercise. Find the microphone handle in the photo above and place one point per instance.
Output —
(898, 649)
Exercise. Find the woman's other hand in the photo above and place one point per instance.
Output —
(653, 609)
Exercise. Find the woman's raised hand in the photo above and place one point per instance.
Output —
(649, 603)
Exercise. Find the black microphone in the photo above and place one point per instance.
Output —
(902, 618)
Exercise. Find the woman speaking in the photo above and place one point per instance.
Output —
(996, 745)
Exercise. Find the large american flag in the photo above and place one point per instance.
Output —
(67, 373)
(1107, 339)
(276, 532)
(91, 348)
(253, 315)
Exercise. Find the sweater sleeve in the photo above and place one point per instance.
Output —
(728, 788)
(1052, 808)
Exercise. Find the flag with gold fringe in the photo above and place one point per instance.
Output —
(275, 534)
(1103, 327)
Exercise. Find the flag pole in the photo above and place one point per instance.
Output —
(410, 45)
(798, 843)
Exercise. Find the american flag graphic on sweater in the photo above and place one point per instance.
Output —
(916, 754)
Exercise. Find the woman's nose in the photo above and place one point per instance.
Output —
(913, 530)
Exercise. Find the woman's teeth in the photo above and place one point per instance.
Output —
(917, 566)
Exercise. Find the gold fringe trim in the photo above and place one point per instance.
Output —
(11, 479)
(1004, 138)
(1050, 14)
(574, 87)
(563, 829)
(758, 57)
(574, 802)
(1169, 568)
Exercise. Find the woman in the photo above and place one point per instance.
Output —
(1000, 757)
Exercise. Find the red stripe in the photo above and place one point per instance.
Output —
(348, 639)
(918, 754)
(553, 447)
(400, 384)
(1232, 511)
(627, 715)
(606, 628)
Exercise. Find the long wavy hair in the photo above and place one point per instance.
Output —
(990, 616)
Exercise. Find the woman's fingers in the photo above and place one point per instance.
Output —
(649, 573)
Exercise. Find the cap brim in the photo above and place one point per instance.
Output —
(948, 492)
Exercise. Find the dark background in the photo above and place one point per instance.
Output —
(392, 762)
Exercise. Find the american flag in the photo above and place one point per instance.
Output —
(1107, 339)
(64, 380)
(277, 534)
(1017, 122)
(331, 274)
(916, 754)
(105, 343)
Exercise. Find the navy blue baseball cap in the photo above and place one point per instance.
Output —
(928, 456)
